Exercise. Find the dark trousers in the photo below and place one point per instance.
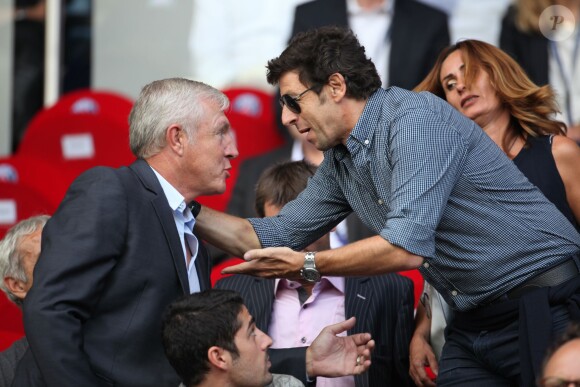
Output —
(487, 358)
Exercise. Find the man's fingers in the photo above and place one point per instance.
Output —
(433, 363)
(268, 252)
(250, 255)
(419, 374)
(240, 268)
(363, 339)
(362, 367)
(358, 339)
(342, 326)
(369, 346)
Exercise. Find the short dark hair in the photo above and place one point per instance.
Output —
(282, 183)
(319, 53)
(196, 322)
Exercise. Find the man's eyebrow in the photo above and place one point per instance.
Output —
(251, 325)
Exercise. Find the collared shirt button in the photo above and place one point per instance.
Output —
(367, 142)
(426, 265)
(380, 201)
(454, 292)
(303, 340)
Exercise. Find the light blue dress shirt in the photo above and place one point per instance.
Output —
(184, 222)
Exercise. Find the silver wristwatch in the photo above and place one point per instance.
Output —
(309, 271)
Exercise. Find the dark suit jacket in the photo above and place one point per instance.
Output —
(530, 50)
(418, 34)
(244, 194)
(383, 306)
(9, 358)
(111, 262)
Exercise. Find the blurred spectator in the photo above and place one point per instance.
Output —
(29, 40)
(479, 20)
(77, 45)
(546, 60)
(402, 37)
(28, 86)
(244, 35)
(19, 252)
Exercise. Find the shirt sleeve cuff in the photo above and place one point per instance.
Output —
(413, 237)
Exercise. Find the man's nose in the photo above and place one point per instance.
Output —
(232, 147)
(267, 340)
(288, 117)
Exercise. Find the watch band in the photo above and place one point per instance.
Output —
(309, 272)
(195, 208)
(309, 257)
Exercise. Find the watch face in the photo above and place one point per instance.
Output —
(311, 275)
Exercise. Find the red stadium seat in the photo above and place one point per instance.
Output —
(82, 130)
(216, 271)
(18, 202)
(42, 177)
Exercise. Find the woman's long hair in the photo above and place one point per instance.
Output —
(531, 107)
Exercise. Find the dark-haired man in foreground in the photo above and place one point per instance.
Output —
(210, 339)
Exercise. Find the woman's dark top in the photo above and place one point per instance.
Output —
(536, 161)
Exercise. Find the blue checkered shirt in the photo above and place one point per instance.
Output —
(429, 180)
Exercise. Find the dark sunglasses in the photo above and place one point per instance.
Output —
(292, 102)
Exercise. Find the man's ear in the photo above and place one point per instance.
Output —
(337, 85)
(219, 357)
(16, 287)
(175, 136)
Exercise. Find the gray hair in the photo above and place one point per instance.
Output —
(10, 254)
(166, 102)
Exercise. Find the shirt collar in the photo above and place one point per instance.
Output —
(174, 198)
(297, 152)
(336, 282)
(352, 8)
(364, 130)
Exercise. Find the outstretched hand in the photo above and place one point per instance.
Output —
(271, 262)
(330, 355)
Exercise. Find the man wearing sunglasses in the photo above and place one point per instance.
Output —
(441, 196)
